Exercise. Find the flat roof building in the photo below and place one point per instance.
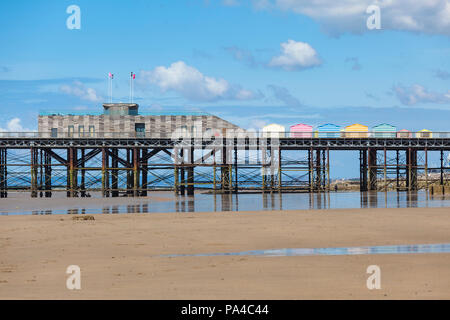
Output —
(123, 118)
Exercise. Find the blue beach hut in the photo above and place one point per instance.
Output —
(328, 130)
(384, 130)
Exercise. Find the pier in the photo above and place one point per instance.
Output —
(133, 164)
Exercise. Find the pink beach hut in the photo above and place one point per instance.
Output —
(301, 131)
(404, 134)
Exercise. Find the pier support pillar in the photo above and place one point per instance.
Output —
(104, 169)
(363, 185)
(136, 174)
(372, 162)
(34, 170)
(3, 173)
(114, 173)
(411, 163)
(83, 173)
(144, 166)
(47, 174)
(182, 175)
(72, 170)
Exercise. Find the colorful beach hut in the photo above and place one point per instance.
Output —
(273, 130)
(356, 131)
(384, 130)
(424, 133)
(301, 131)
(404, 134)
(328, 130)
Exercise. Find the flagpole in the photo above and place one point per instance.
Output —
(109, 87)
(111, 96)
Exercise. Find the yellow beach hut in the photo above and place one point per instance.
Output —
(424, 133)
(356, 131)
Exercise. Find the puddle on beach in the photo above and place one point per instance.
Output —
(399, 249)
(226, 202)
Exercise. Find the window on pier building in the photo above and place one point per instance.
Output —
(80, 131)
(91, 131)
(139, 128)
(54, 133)
(71, 131)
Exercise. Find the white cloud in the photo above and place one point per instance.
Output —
(192, 84)
(296, 55)
(430, 16)
(79, 90)
(15, 125)
(418, 94)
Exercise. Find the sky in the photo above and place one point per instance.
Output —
(251, 62)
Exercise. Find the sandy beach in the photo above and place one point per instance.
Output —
(119, 255)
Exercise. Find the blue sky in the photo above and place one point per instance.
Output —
(251, 62)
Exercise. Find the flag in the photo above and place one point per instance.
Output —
(133, 75)
(111, 76)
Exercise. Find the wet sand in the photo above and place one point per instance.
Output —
(118, 255)
(21, 202)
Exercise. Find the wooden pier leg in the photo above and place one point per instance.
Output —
(385, 170)
(73, 172)
(2, 178)
(182, 175)
(34, 160)
(408, 169)
(41, 172)
(318, 171)
(115, 173)
(48, 175)
(279, 171)
(372, 161)
(414, 169)
(426, 169)
(397, 169)
(311, 169)
(3, 173)
(129, 173)
(236, 167)
(144, 164)
(104, 167)
(83, 173)
(176, 179)
(136, 177)
(190, 173)
(328, 170)
(363, 170)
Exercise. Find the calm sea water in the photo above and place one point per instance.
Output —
(244, 202)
